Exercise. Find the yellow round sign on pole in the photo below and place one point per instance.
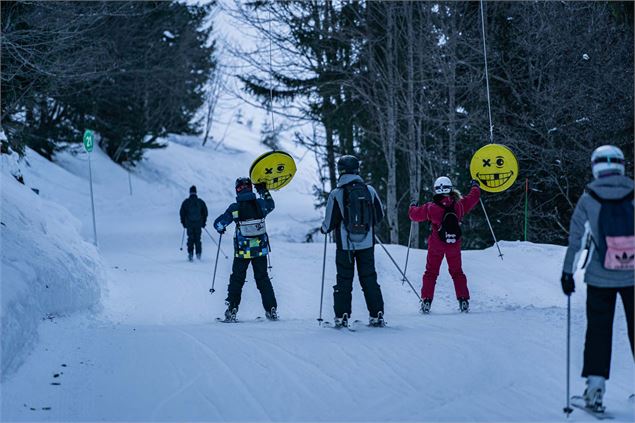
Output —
(495, 167)
(275, 168)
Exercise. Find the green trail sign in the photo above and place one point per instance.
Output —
(89, 140)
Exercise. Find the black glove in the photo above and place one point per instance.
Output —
(322, 231)
(220, 231)
(475, 183)
(568, 284)
(261, 188)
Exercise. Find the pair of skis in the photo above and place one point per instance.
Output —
(350, 325)
(578, 402)
(235, 320)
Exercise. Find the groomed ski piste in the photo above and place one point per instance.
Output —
(127, 332)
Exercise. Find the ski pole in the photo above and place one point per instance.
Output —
(210, 235)
(398, 268)
(500, 254)
(323, 270)
(220, 238)
(182, 238)
(405, 269)
(568, 410)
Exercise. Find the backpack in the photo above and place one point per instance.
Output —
(358, 209)
(450, 229)
(251, 221)
(616, 232)
(194, 210)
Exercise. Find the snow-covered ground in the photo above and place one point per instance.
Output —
(131, 332)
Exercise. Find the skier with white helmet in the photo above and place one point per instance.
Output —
(445, 213)
(605, 213)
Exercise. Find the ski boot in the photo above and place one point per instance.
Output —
(341, 322)
(593, 394)
(230, 313)
(198, 256)
(189, 256)
(272, 315)
(464, 305)
(425, 305)
(377, 322)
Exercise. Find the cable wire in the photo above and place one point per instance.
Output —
(489, 104)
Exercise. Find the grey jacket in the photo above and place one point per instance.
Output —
(584, 222)
(333, 218)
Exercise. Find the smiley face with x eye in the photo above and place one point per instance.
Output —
(275, 169)
(495, 167)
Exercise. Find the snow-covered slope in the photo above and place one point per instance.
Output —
(154, 351)
(47, 271)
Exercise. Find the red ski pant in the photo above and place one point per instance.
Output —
(452, 252)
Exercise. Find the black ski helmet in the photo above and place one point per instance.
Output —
(243, 184)
(193, 189)
(348, 165)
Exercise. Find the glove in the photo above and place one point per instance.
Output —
(475, 183)
(261, 188)
(413, 203)
(568, 284)
(204, 224)
(322, 231)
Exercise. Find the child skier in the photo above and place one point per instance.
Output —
(605, 212)
(353, 209)
(251, 245)
(445, 213)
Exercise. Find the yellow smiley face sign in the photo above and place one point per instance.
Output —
(275, 168)
(495, 167)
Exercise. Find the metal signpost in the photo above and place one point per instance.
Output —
(89, 143)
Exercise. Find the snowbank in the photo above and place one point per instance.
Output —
(47, 269)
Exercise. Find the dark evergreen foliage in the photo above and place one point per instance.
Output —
(131, 71)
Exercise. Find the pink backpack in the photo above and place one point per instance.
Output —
(616, 232)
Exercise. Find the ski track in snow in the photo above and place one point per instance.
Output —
(155, 352)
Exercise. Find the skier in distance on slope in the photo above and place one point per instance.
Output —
(193, 218)
(445, 212)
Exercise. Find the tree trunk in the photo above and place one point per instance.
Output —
(391, 139)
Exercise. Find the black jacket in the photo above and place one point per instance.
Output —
(193, 212)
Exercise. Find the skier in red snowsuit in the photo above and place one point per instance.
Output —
(446, 203)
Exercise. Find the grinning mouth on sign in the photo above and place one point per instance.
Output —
(277, 182)
(494, 180)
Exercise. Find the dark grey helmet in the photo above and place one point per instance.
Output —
(243, 184)
(348, 165)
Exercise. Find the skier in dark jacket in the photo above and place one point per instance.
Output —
(251, 245)
(609, 272)
(353, 209)
(193, 218)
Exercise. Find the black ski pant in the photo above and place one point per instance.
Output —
(194, 240)
(600, 310)
(343, 291)
(263, 283)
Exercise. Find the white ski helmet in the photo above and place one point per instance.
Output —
(443, 185)
(607, 160)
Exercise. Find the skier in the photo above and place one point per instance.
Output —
(353, 209)
(445, 213)
(605, 213)
(193, 218)
(251, 245)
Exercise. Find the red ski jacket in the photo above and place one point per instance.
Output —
(432, 212)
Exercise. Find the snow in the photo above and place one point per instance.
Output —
(132, 335)
(48, 270)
